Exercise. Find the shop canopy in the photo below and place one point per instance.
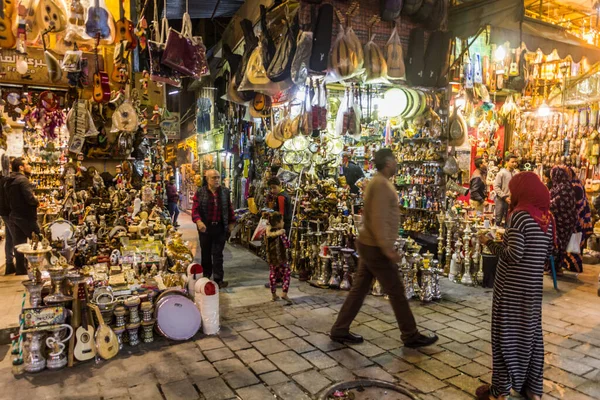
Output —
(508, 23)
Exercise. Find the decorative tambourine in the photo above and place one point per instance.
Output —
(125, 118)
(48, 101)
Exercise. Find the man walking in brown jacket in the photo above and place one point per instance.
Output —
(378, 259)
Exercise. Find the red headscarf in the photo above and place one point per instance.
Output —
(528, 193)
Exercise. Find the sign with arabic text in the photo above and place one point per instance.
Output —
(37, 73)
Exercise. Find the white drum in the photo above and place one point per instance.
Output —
(177, 317)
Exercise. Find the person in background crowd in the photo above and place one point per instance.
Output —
(8, 236)
(23, 205)
(352, 172)
(517, 337)
(563, 207)
(172, 200)
(502, 189)
(276, 243)
(378, 259)
(573, 261)
(213, 215)
(477, 186)
(283, 202)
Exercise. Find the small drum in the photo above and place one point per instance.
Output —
(177, 317)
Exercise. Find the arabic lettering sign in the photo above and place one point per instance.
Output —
(37, 73)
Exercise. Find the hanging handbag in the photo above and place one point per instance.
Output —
(299, 67)
(185, 53)
(322, 39)
(268, 44)
(279, 68)
(159, 72)
(250, 43)
(415, 57)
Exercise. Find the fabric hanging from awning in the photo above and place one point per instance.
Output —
(508, 23)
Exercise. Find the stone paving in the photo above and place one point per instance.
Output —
(266, 350)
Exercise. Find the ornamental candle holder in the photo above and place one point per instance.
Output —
(456, 261)
(34, 289)
(441, 217)
(334, 281)
(34, 359)
(407, 278)
(449, 222)
(466, 277)
(56, 276)
(322, 273)
(35, 253)
(437, 273)
(426, 294)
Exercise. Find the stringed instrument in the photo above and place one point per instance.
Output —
(7, 36)
(54, 70)
(120, 71)
(51, 16)
(84, 335)
(124, 30)
(107, 343)
(141, 33)
(101, 92)
(97, 23)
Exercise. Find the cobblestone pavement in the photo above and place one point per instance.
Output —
(266, 350)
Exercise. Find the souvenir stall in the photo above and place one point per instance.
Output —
(525, 83)
(107, 269)
(338, 93)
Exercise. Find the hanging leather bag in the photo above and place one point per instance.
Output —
(322, 32)
(279, 68)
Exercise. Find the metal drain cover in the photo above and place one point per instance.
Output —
(367, 389)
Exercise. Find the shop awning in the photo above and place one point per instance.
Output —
(507, 22)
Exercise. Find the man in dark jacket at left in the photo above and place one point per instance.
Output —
(478, 187)
(213, 215)
(23, 208)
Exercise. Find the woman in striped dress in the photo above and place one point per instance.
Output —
(517, 339)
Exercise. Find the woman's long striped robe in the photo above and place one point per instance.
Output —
(517, 338)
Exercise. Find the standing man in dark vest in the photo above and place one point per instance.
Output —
(213, 215)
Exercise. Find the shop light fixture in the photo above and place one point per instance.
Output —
(544, 110)
(174, 92)
(500, 53)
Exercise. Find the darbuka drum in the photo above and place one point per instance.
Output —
(177, 317)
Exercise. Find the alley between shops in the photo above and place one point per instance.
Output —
(266, 350)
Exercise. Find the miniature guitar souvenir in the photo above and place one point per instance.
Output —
(7, 37)
(97, 21)
(100, 79)
(84, 335)
(124, 30)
